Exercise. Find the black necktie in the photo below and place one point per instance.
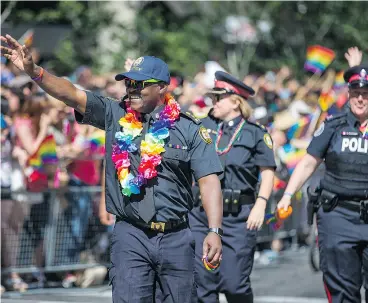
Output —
(147, 205)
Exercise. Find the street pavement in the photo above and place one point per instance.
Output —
(290, 280)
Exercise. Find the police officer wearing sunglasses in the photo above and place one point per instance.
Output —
(152, 152)
(342, 199)
(246, 152)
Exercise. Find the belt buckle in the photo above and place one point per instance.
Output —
(158, 226)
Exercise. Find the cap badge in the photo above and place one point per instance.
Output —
(137, 63)
(363, 74)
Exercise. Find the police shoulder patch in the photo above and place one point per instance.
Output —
(267, 139)
(203, 132)
(191, 117)
(320, 130)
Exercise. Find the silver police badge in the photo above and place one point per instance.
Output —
(363, 74)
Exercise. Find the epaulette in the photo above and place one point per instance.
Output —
(336, 119)
(191, 117)
(258, 125)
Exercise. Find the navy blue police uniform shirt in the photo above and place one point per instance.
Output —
(335, 135)
(189, 152)
(339, 142)
(251, 150)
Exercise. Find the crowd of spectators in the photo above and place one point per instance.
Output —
(29, 115)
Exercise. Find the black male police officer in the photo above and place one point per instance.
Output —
(245, 150)
(343, 199)
(152, 247)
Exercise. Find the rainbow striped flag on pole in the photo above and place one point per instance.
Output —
(46, 153)
(318, 58)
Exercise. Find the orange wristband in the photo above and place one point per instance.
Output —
(39, 77)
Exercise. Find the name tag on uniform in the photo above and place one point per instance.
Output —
(350, 134)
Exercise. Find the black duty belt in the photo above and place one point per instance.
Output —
(360, 207)
(349, 204)
(160, 226)
(237, 197)
(242, 199)
(246, 199)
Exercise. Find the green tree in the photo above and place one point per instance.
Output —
(189, 41)
(86, 19)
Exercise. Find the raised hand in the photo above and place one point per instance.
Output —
(18, 54)
(128, 64)
(353, 56)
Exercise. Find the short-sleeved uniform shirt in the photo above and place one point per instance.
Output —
(340, 143)
(322, 138)
(187, 154)
(252, 149)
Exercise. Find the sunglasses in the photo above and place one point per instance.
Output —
(357, 93)
(217, 97)
(130, 83)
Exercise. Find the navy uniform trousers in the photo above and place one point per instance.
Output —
(343, 245)
(238, 247)
(147, 266)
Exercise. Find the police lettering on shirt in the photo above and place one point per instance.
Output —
(359, 145)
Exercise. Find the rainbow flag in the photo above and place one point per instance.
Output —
(291, 156)
(27, 38)
(278, 184)
(46, 153)
(318, 58)
(326, 100)
(97, 142)
(364, 130)
(299, 129)
(339, 80)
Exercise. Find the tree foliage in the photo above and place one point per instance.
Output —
(187, 40)
(86, 19)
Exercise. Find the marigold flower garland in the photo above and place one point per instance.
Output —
(151, 147)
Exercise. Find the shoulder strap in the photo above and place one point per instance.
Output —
(336, 119)
(258, 125)
(191, 117)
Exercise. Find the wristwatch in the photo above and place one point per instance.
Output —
(216, 230)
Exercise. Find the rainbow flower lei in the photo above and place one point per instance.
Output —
(151, 147)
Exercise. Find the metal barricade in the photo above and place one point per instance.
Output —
(58, 230)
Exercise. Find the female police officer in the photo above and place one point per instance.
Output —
(245, 149)
(343, 218)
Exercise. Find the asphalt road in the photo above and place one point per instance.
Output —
(291, 280)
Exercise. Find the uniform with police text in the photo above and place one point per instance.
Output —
(343, 201)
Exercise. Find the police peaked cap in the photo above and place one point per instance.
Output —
(228, 84)
(357, 76)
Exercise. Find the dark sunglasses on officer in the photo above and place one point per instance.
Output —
(139, 85)
(355, 93)
(225, 92)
